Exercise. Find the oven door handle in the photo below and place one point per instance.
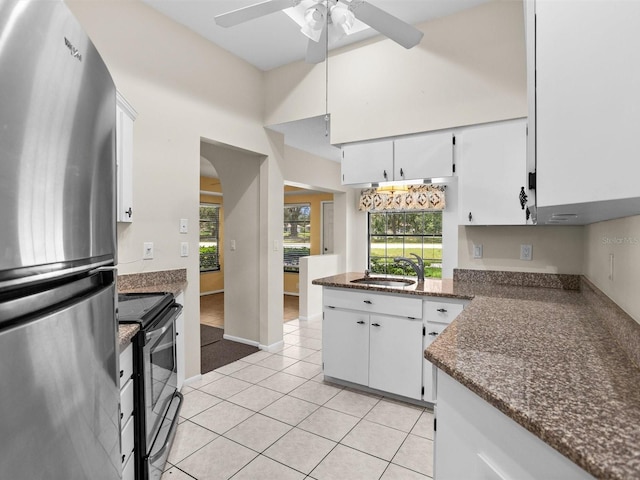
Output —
(153, 456)
(166, 323)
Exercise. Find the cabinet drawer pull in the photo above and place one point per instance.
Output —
(121, 373)
(368, 302)
(433, 334)
(360, 322)
(330, 306)
(375, 324)
(442, 310)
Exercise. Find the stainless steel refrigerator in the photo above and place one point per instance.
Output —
(59, 395)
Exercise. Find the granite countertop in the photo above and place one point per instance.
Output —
(548, 359)
(126, 332)
(551, 352)
(171, 281)
(430, 287)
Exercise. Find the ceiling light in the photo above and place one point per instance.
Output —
(342, 21)
(342, 17)
(314, 21)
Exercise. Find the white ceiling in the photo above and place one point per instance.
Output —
(276, 40)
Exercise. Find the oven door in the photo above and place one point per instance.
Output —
(160, 370)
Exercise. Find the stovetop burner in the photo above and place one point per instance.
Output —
(142, 307)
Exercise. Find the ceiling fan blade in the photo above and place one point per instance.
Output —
(385, 23)
(241, 15)
(317, 51)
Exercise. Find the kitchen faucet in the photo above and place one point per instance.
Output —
(418, 265)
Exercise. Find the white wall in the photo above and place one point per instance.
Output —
(312, 267)
(469, 68)
(555, 249)
(240, 178)
(184, 89)
(620, 238)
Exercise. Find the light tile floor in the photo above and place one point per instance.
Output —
(272, 416)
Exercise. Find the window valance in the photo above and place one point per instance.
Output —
(411, 197)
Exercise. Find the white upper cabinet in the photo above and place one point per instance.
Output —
(369, 162)
(585, 100)
(416, 157)
(491, 166)
(423, 156)
(125, 116)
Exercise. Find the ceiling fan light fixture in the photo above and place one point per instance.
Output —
(314, 21)
(342, 17)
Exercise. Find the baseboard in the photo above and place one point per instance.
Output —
(274, 347)
(202, 294)
(241, 340)
(316, 316)
(194, 379)
(293, 294)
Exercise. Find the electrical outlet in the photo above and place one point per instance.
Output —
(184, 249)
(477, 251)
(232, 245)
(526, 252)
(184, 225)
(147, 250)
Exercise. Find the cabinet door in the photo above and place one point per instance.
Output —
(367, 162)
(345, 345)
(432, 330)
(395, 356)
(587, 99)
(424, 156)
(125, 116)
(492, 168)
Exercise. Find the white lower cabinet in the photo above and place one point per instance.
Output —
(345, 345)
(437, 315)
(475, 441)
(395, 355)
(378, 340)
(126, 413)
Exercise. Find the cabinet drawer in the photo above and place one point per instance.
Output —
(126, 439)
(374, 302)
(126, 365)
(126, 402)
(442, 312)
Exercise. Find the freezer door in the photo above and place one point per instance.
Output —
(59, 401)
(57, 145)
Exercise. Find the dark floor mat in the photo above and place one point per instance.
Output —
(223, 352)
(209, 335)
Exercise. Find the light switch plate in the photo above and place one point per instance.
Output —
(526, 252)
(477, 251)
(184, 249)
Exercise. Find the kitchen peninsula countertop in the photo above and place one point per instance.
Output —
(561, 361)
(430, 287)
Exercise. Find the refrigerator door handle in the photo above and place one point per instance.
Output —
(103, 269)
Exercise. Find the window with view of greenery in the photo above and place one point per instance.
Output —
(209, 237)
(399, 234)
(297, 235)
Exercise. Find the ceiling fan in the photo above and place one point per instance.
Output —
(324, 21)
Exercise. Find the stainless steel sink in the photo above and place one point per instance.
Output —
(384, 282)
